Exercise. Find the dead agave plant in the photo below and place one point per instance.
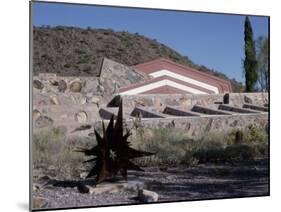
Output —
(112, 153)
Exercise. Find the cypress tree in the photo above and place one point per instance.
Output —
(250, 62)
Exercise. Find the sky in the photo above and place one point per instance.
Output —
(213, 40)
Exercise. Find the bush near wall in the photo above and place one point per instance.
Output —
(52, 150)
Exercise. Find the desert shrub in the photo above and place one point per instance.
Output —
(174, 146)
(263, 149)
(189, 159)
(67, 65)
(256, 134)
(80, 51)
(240, 152)
(171, 147)
(209, 147)
(52, 150)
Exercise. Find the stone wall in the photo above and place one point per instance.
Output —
(52, 89)
(80, 104)
(194, 126)
(260, 99)
(189, 100)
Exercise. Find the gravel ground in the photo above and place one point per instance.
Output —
(206, 181)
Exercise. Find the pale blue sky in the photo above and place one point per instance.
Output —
(213, 40)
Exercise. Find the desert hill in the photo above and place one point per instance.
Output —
(72, 51)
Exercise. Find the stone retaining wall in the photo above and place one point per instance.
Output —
(189, 100)
(193, 125)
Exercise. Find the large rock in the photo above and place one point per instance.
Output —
(43, 121)
(39, 202)
(54, 100)
(82, 188)
(75, 86)
(147, 196)
(248, 100)
(36, 187)
(38, 84)
(36, 114)
(43, 179)
(93, 99)
(83, 100)
(54, 82)
(62, 86)
(81, 117)
(117, 187)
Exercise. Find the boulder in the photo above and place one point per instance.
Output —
(81, 117)
(147, 196)
(62, 86)
(248, 100)
(106, 189)
(83, 100)
(43, 121)
(82, 188)
(75, 86)
(36, 187)
(93, 99)
(39, 202)
(117, 187)
(38, 84)
(54, 100)
(83, 175)
(36, 114)
(44, 179)
(54, 82)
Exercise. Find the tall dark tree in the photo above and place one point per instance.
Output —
(250, 62)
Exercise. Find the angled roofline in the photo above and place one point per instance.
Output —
(162, 59)
(153, 80)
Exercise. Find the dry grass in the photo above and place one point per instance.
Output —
(174, 146)
(51, 150)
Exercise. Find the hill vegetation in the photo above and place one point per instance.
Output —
(75, 51)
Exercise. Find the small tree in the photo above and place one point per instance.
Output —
(262, 62)
(250, 62)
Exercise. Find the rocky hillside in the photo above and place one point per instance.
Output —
(71, 51)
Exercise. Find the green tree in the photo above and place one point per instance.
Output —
(250, 62)
(262, 62)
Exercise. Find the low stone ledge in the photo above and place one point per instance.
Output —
(208, 111)
(147, 113)
(255, 107)
(235, 109)
(178, 112)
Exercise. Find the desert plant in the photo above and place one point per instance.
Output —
(174, 146)
(51, 150)
(256, 134)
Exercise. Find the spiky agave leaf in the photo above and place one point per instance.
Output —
(112, 153)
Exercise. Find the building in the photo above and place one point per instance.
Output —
(168, 77)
